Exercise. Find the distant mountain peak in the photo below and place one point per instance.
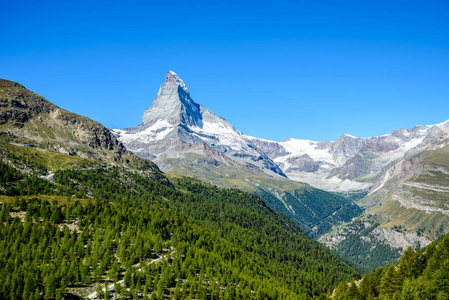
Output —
(172, 105)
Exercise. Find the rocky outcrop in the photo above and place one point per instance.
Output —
(400, 239)
(270, 148)
(18, 104)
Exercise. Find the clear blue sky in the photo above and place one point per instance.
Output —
(274, 69)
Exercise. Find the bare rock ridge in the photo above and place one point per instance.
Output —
(26, 117)
(350, 163)
(175, 127)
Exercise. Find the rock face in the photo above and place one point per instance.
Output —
(26, 117)
(401, 240)
(175, 127)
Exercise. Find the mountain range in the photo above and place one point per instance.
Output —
(350, 163)
(397, 179)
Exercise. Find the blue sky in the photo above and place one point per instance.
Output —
(274, 69)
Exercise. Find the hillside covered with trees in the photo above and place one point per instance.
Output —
(96, 228)
(422, 274)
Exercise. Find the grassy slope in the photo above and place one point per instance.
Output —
(427, 189)
(424, 189)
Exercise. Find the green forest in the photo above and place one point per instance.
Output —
(367, 255)
(422, 274)
(124, 235)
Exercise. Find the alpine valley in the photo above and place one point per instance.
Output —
(367, 198)
(184, 206)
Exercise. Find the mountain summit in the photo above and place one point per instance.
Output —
(175, 127)
(173, 105)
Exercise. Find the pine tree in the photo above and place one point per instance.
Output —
(177, 293)
(127, 278)
(341, 290)
(201, 295)
(391, 281)
(353, 292)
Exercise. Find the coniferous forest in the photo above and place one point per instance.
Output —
(110, 232)
(422, 274)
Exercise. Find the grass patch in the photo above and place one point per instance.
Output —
(50, 160)
(60, 199)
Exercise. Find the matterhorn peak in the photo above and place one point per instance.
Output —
(173, 78)
(172, 105)
(175, 128)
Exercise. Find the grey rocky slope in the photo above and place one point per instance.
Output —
(184, 137)
(28, 118)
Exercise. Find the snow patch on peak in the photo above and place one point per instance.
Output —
(156, 132)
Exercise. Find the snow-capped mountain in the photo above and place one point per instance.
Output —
(175, 127)
(350, 163)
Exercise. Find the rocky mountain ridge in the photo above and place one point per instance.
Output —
(27, 118)
(350, 163)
